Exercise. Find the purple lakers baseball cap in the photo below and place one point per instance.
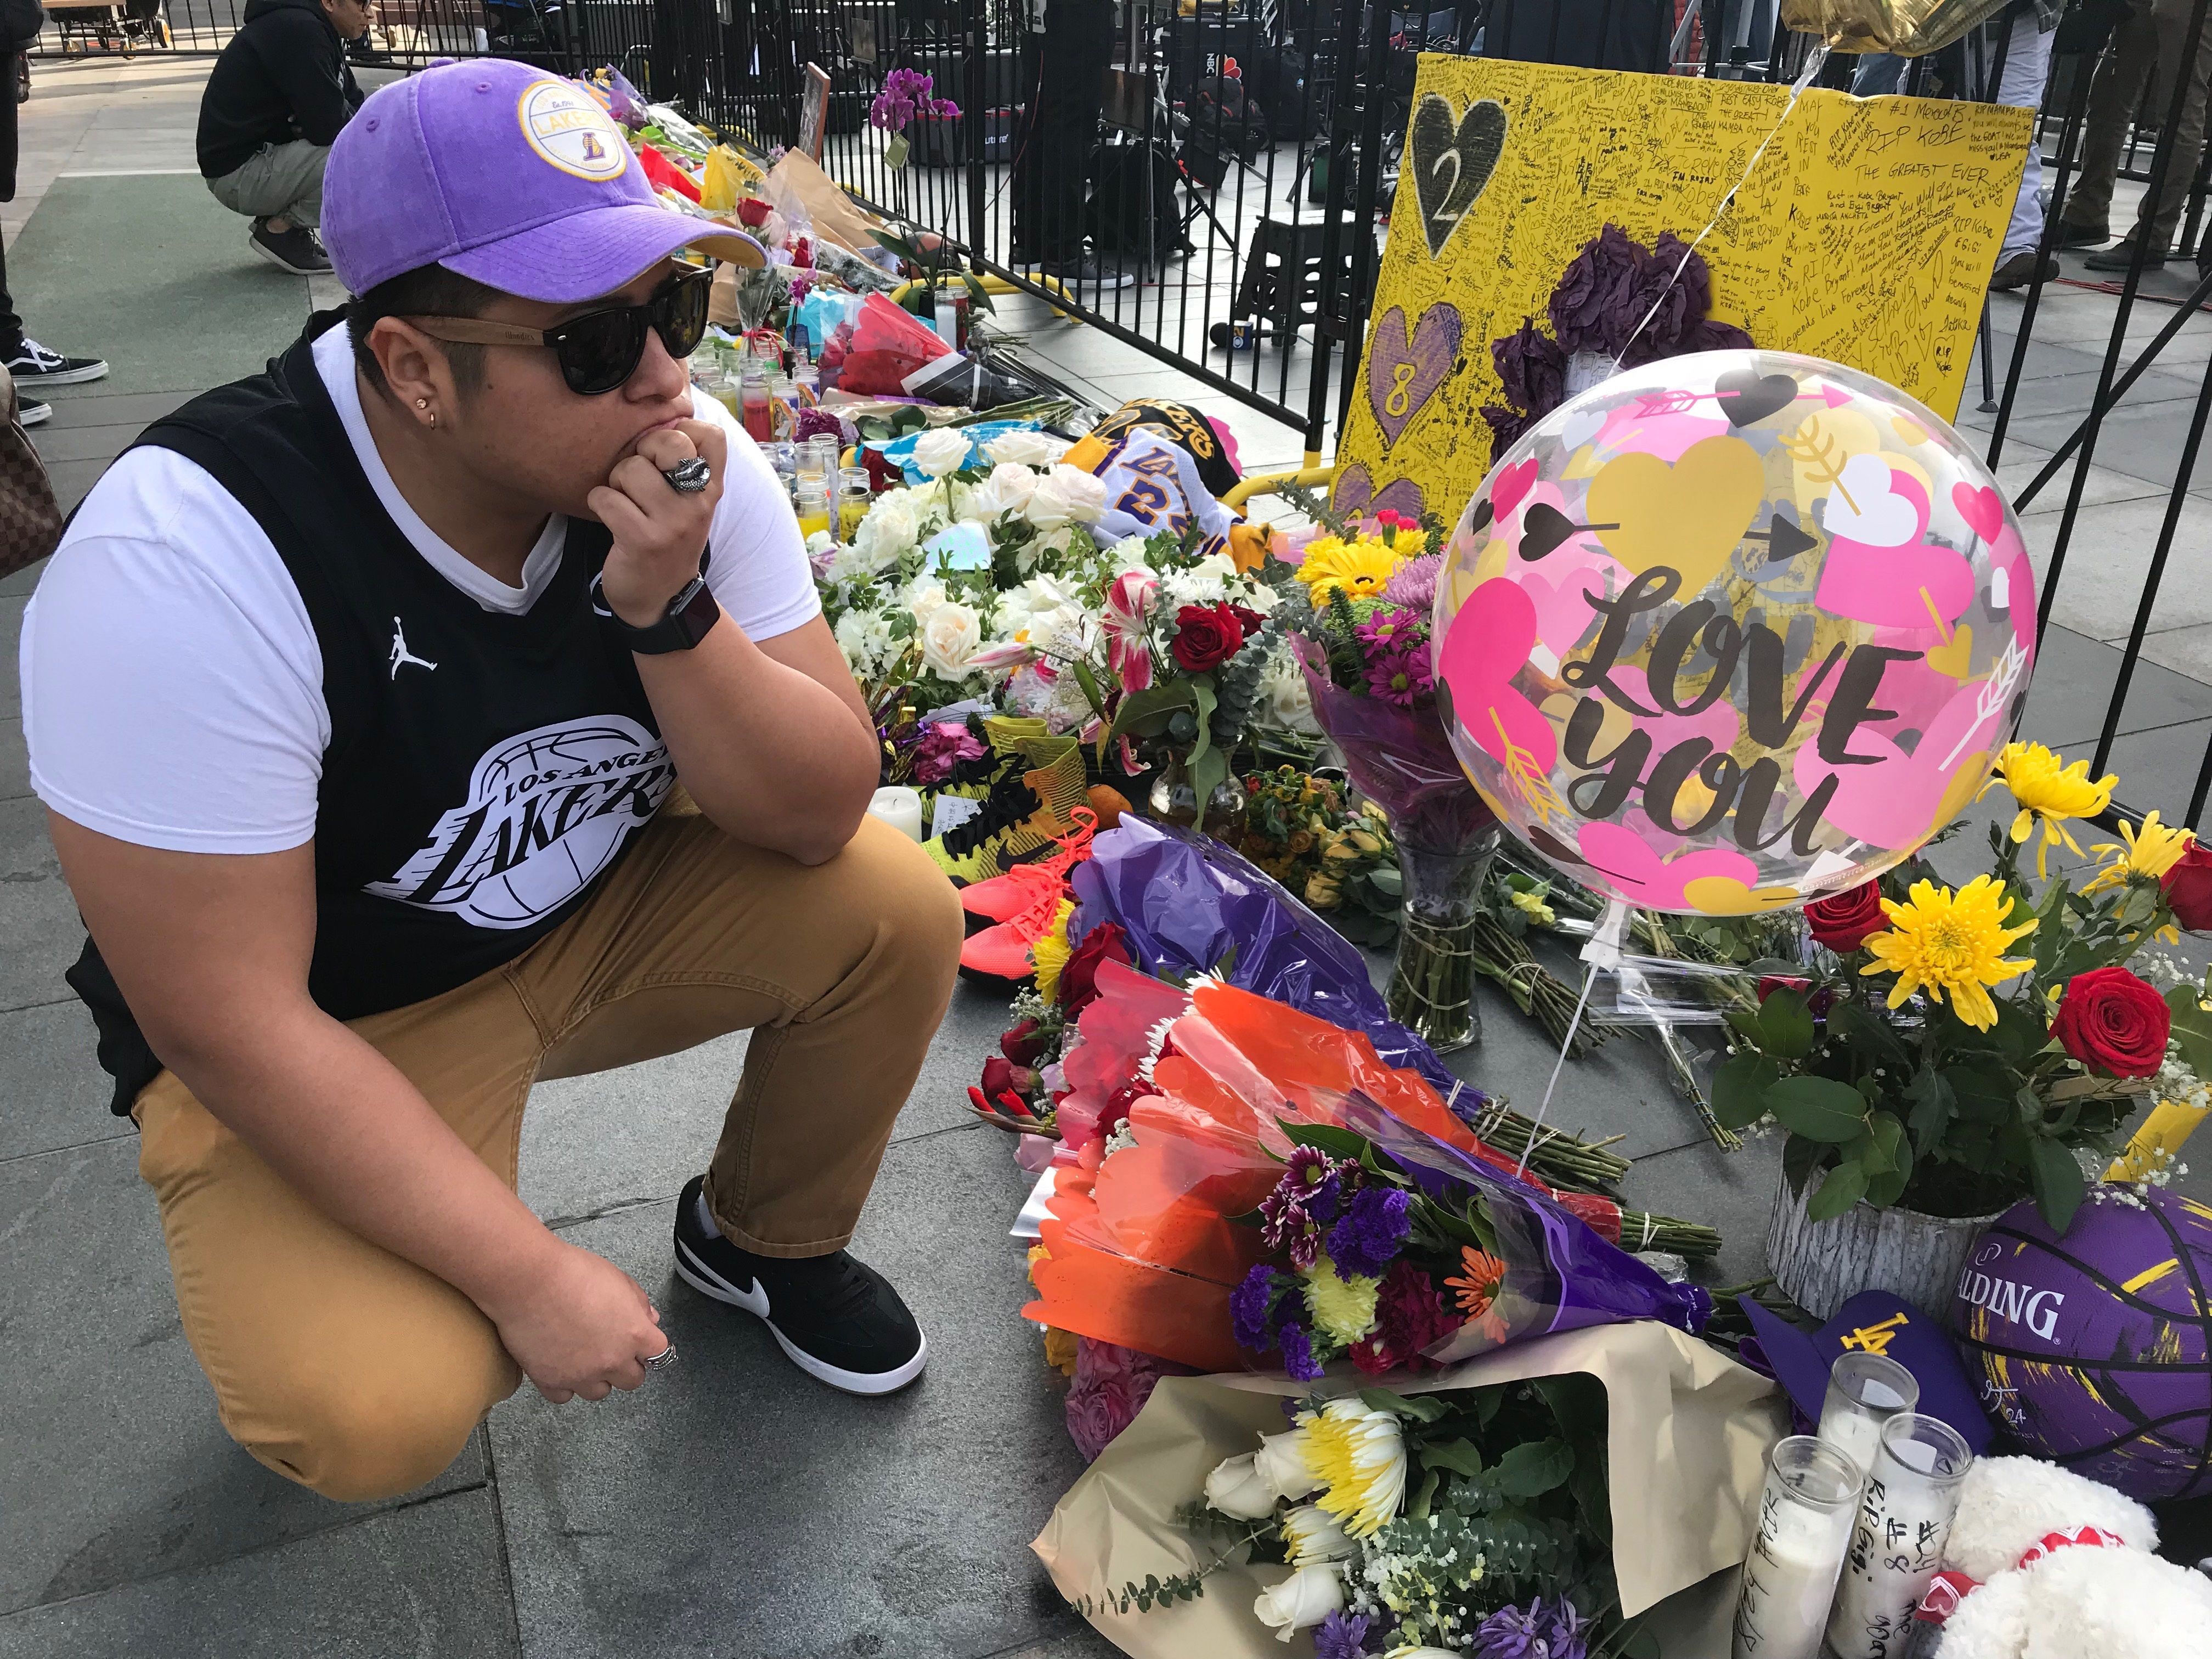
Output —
(1873, 1322)
(506, 174)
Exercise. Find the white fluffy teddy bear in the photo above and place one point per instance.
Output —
(2111, 1600)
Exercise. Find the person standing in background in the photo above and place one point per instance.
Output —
(1066, 46)
(2147, 44)
(30, 363)
(2022, 33)
(279, 97)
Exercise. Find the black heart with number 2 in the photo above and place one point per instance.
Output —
(1452, 161)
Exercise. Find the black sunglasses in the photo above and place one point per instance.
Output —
(601, 349)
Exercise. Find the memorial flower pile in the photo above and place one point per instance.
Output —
(1954, 1049)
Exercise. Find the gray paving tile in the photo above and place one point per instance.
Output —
(118, 1469)
(15, 762)
(426, 1582)
(56, 1093)
(2159, 769)
(2108, 556)
(591, 1144)
(12, 606)
(2020, 463)
(2144, 442)
(2074, 677)
(2188, 650)
(93, 407)
(735, 1508)
(2060, 394)
(1732, 1191)
(38, 918)
(19, 586)
(58, 445)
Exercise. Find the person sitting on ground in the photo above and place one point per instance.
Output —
(276, 101)
(448, 706)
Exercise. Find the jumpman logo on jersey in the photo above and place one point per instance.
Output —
(401, 656)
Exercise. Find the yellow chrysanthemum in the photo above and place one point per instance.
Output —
(1050, 953)
(1944, 942)
(1359, 1458)
(1531, 904)
(1360, 568)
(2150, 853)
(1343, 1309)
(2048, 789)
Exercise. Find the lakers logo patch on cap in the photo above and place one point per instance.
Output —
(569, 129)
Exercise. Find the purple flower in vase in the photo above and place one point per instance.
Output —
(1402, 676)
(1298, 1361)
(1594, 289)
(1532, 369)
(1342, 1636)
(1374, 1227)
(1413, 584)
(1391, 631)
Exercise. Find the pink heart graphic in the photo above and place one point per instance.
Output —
(1487, 645)
(1402, 373)
(1634, 871)
(1561, 593)
(1511, 484)
(1983, 509)
(1913, 586)
(1356, 497)
(1894, 802)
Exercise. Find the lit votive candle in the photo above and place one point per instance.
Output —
(1897, 1543)
(900, 808)
(1865, 1390)
(1805, 1516)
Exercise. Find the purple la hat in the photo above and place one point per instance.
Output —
(505, 174)
(1874, 1321)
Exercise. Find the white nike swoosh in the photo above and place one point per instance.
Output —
(705, 1281)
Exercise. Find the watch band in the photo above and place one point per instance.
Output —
(690, 615)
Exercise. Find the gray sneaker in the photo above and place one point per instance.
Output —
(295, 250)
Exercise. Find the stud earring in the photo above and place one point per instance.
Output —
(421, 403)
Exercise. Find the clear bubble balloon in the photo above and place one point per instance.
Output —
(1732, 631)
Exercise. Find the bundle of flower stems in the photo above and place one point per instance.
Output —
(1584, 908)
(1559, 1158)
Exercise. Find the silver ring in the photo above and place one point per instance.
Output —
(661, 1361)
(689, 478)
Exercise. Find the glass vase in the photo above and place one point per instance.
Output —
(1432, 981)
(1174, 799)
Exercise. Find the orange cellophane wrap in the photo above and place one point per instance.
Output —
(1141, 1250)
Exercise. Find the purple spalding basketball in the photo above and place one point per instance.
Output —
(2092, 1348)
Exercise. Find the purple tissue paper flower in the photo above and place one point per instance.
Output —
(1341, 1636)
(1506, 426)
(1595, 288)
(1532, 1632)
(1532, 367)
(1376, 1226)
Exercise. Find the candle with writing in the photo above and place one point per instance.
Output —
(1903, 1522)
(1805, 1516)
(1865, 1390)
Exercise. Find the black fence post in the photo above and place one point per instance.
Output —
(1336, 298)
(1361, 296)
(974, 28)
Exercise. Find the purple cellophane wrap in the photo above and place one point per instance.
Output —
(1188, 903)
(1185, 903)
(1400, 759)
(1562, 1275)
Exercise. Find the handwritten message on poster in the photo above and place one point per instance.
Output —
(1865, 235)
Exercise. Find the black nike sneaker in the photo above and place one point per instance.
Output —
(836, 1319)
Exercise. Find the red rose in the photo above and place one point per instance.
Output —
(883, 473)
(1206, 636)
(2112, 1022)
(1843, 921)
(752, 213)
(1002, 1076)
(1078, 980)
(2189, 889)
(1022, 1045)
(1248, 619)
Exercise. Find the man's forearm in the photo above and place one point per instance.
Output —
(347, 1130)
(775, 758)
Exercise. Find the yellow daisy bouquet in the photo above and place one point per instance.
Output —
(1952, 1049)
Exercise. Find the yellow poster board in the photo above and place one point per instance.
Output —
(1865, 234)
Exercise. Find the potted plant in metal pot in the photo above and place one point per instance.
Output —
(1945, 1053)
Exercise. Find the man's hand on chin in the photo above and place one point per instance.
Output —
(658, 531)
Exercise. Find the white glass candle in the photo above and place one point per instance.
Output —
(899, 807)
(1865, 1390)
(1805, 1516)
(1903, 1522)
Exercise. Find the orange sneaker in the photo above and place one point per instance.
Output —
(1003, 897)
(1023, 903)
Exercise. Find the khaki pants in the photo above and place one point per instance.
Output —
(278, 182)
(2145, 51)
(361, 1375)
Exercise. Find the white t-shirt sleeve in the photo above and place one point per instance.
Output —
(172, 681)
(759, 572)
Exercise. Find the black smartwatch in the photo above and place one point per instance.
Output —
(689, 615)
